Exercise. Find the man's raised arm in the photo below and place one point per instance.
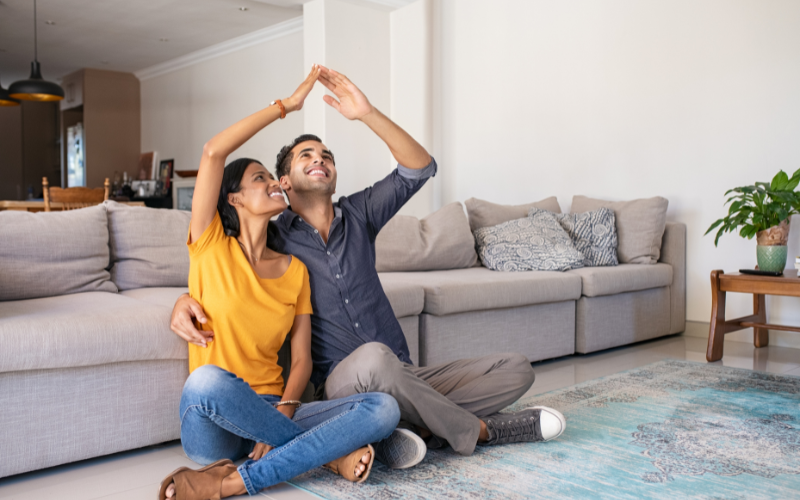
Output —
(354, 105)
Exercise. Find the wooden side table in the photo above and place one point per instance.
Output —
(760, 287)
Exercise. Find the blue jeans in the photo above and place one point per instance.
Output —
(222, 417)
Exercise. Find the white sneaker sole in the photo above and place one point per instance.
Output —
(401, 450)
(555, 413)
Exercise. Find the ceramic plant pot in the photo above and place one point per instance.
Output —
(772, 250)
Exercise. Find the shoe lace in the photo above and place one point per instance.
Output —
(516, 428)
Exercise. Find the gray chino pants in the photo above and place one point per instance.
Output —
(446, 399)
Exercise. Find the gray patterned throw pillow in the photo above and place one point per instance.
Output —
(593, 233)
(532, 243)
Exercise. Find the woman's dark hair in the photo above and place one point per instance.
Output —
(284, 160)
(231, 183)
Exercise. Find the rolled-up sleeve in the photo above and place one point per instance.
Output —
(418, 173)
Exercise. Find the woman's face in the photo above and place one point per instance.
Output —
(260, 193)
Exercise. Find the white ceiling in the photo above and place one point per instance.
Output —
(124, 35)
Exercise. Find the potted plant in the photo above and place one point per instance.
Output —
(763, 210)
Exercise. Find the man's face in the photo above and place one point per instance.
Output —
(311, 171)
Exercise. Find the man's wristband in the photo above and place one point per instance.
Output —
(280, 105)
(292, 402)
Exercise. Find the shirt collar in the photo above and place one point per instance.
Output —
(288, 216)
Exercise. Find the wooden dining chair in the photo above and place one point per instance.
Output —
(76, 197)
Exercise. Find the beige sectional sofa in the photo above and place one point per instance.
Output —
(89, 366)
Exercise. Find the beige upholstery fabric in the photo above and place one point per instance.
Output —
(160, 296)
(84, 329)
(599, 281)
(615, 320)
(54, 253)
(52, 417)
(410, 327)
(673, 252)
(148, 246)
(485, 213)
(640, 226)
(539, 332)
(406, 299)
(477, 288)
(441, 240)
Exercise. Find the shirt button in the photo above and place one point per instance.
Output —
(316, 231)
(329, 253)
(356, 325)
(337, 276)
(346, 301)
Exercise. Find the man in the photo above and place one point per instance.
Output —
(357, 344)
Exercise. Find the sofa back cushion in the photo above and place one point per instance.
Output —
(54, 253)
(442, 240)
(535, 243)
(640, 226)
(148, 246)
(485, 213)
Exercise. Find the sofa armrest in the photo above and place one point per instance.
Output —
(673, 252)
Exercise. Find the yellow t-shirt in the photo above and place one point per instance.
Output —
(250, 316)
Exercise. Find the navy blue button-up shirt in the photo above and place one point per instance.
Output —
(350, 307)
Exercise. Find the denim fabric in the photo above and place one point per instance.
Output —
(222, 417)
(350, 307)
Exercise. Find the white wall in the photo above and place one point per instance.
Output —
(353, 40)
(183, 109)
(623, 99)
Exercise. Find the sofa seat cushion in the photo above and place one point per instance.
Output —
(160, 296)
(478, 288)
(407, 299)
(84, 329)
(599, 281)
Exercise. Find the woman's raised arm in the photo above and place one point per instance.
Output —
(216, 151)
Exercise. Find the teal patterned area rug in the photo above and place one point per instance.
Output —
(672, 429)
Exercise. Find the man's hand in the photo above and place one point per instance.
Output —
(296, 100)
(259, 450)
(186, 309)
(352, 103)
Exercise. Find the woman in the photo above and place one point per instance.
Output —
(234, 402)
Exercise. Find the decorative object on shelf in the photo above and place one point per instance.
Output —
(764, 210)
(6, 99)
(186, 173)
(182, 192)
(165, 170)
(148, 166)
(36, 88)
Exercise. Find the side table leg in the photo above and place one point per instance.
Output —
(716, 335)
(760, 335)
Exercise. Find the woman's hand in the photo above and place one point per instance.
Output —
(259, 450)
(352, 103)
(296, 100)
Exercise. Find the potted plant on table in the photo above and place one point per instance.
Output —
(763, 210)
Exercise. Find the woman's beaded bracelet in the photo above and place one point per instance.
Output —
(289, 402)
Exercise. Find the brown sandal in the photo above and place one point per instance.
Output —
(200, 484)
(346, 465)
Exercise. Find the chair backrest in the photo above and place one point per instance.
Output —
(72, 198)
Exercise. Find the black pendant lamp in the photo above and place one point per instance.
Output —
(35, 88)
(5, 99)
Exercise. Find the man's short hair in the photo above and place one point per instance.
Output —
(284, 162)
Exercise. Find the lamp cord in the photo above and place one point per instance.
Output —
(35, 36)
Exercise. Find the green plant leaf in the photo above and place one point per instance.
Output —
(715, 224)
(780, 181)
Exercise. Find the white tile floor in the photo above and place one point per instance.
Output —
(136, 474)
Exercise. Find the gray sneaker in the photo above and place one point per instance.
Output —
(401, 450)
(538, 423)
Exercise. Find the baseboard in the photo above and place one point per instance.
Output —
(777, 338)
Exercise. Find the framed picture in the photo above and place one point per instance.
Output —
(165, 170)
(182, 192)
